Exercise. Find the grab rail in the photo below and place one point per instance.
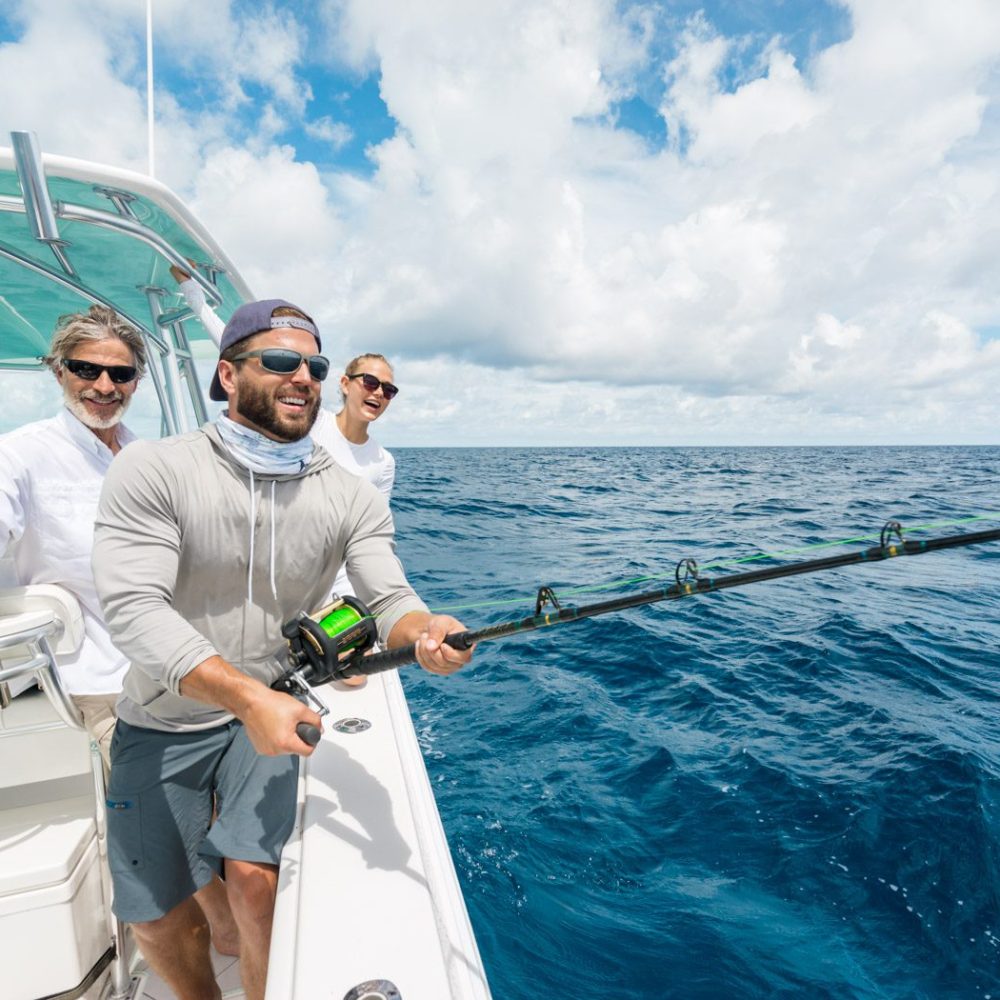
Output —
(41, 664)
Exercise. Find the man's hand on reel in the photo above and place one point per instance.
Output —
(272, 720)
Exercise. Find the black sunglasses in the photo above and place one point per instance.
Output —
(282, 361)
(371, 384)
(89, 371)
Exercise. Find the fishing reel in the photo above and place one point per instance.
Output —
(325, 646)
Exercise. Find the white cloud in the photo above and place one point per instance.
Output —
(276, 212)
(267, 51)
(337, 134)
(92, 114)
(809, 256)
(727, 125)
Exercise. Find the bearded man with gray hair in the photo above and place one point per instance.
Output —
(51, 473)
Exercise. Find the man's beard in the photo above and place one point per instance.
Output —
(74, 400)
(259, 406)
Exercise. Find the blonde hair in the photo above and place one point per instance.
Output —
(354, 365)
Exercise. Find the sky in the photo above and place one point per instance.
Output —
(579, 222)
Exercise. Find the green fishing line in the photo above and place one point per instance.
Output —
(720, 564)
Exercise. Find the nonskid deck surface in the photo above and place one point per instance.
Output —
(227, 975)
(368, 892)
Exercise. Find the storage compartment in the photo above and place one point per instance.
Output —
(53, 918)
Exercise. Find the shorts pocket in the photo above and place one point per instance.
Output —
(125, 843)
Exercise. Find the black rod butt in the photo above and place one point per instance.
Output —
(308, 733)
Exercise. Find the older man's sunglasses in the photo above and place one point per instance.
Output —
(282, 361)
(91, 372)
(371, 384)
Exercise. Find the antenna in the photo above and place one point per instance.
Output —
(149, 87)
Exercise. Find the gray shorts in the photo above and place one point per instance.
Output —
(163, 844)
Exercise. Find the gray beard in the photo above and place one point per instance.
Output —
(79, 410)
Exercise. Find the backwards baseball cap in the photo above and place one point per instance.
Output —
(256, 317)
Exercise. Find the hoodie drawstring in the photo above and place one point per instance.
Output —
(253, 524)
(253, 527)
(274, 589)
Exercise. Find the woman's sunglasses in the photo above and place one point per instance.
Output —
(371, 384)
(282, 361)
(91, 372)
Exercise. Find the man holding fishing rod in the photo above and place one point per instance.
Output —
(205, 545)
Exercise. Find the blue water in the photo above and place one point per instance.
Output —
(785, 790)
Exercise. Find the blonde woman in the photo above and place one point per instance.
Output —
(366, 389)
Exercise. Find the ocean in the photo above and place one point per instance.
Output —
(789, 790)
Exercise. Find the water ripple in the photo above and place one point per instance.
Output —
(787, 790)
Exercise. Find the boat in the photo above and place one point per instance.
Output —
(369, 905)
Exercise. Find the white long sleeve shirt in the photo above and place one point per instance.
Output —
(369, 461)
(198, 304)
(51, 473)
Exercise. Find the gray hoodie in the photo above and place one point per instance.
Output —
(172, 563)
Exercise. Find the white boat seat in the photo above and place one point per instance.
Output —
(52, 886)
(42, 843)
(38, 623)
(36, 599)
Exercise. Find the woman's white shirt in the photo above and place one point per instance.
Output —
(369, 460)
(203, 312)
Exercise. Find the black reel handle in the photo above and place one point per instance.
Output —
(308, 733)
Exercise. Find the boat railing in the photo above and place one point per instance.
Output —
(26, 655)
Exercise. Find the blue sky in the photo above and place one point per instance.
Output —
(589, 223)
(350, 96)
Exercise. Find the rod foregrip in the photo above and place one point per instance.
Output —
(389, 659)
(460, 640)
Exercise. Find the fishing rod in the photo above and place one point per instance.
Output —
(334, 643)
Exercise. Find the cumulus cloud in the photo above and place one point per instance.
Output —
(276, 210)
(811, 253)
(337, 134)
(42, 88)
(803, 232)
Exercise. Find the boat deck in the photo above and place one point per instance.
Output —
(227, 975)
(367, 852)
